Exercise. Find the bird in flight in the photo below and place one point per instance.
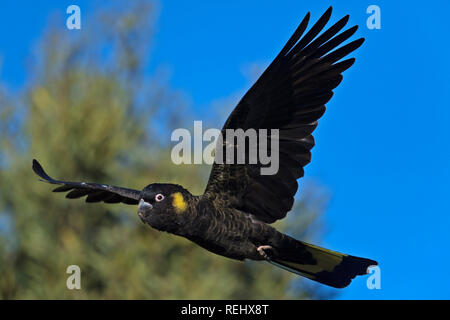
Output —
(233, 217)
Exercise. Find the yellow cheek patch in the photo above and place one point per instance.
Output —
(178, 202)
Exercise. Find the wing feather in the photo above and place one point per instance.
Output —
(95, 192)
(290, 96)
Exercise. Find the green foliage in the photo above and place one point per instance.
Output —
(85, 118)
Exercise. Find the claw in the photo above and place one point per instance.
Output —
(261, 251)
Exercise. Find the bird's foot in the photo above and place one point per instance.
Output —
(265, 251)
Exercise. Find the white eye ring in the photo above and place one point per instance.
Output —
(159, 197)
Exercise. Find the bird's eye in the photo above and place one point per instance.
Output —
(159, 197)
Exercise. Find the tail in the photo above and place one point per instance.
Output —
(322, 265)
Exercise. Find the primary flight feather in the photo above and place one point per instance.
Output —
(233, 216)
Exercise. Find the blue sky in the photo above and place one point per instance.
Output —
(382, 147)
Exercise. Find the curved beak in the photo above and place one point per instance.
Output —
(144, 209)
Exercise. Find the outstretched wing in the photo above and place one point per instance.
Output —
(290, 96)
(95, 192)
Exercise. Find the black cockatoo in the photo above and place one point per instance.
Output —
(233, 216)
